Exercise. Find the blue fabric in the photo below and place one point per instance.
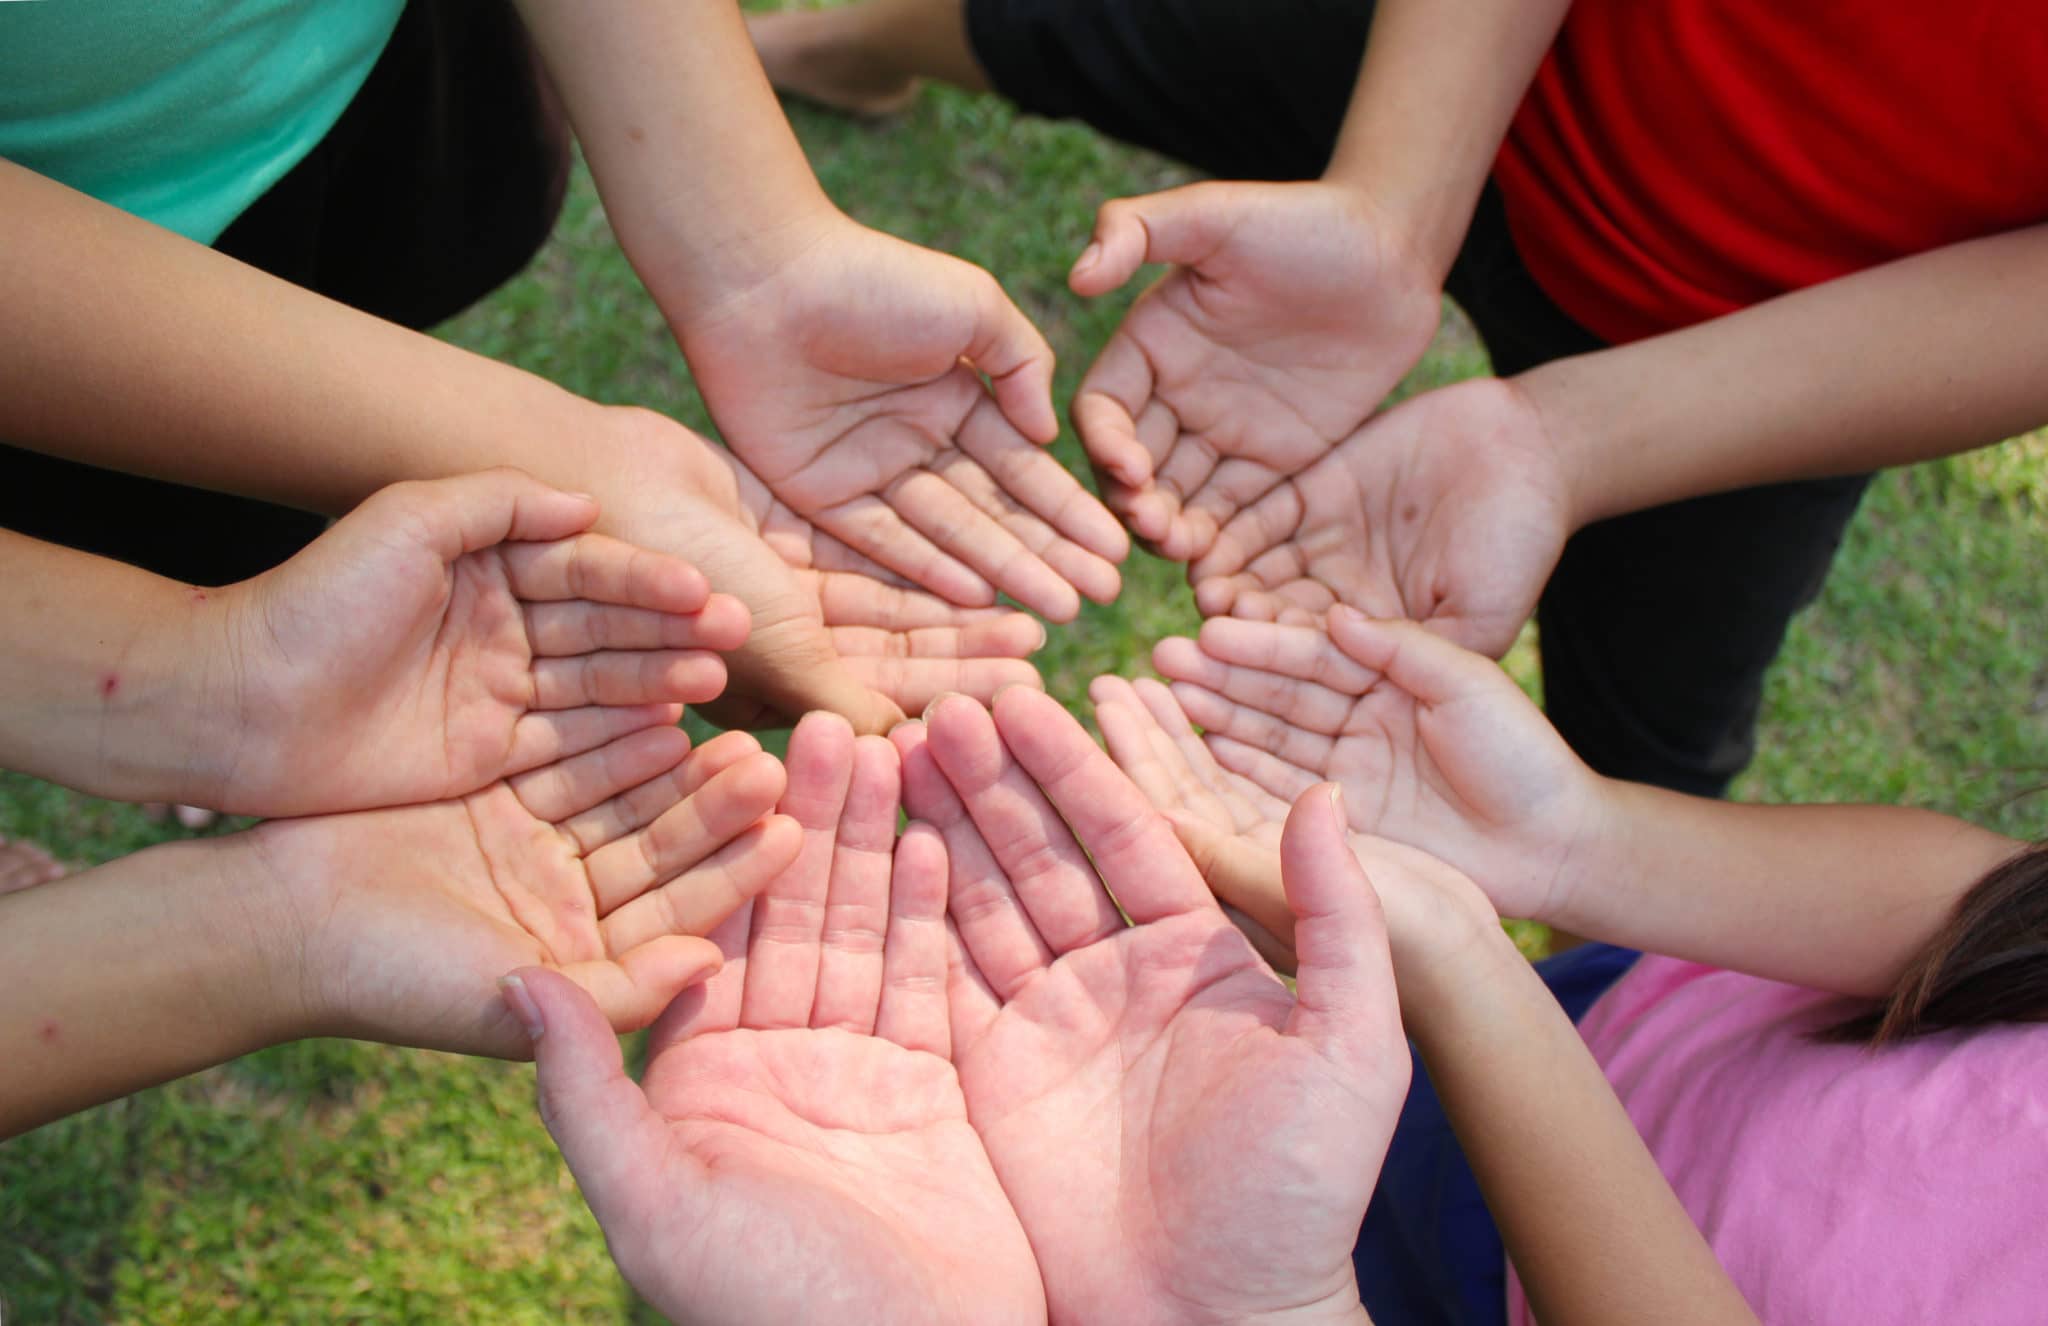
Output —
(1429, 1253)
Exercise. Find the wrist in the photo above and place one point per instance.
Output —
(167, 725)
(1572, 418)
(248, 935)
(696, 280)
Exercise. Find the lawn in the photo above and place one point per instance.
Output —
(328, 1181)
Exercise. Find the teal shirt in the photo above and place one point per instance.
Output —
(181, 111)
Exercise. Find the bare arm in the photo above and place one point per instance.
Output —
(1927, 356)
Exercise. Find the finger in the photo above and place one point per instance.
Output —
(791, 667)
(1275, 952)
(685, 834)
(598, 1116)
(1277, 777)
(543, 737)
(1293, 673)
(648, 676)
(1266, 524)
(1126, 731)
(698, 900)
(1009, 635)
(646, 802)
(559, 791)
(1238, 871)
(876, 527)
(601, 569)
(856, 599)
(1035, 480)
(1016, 359)
(1243, 802)
(1004, 945)
(789, 918)
(1075, 565)
(713, 1005)
(1106, 411)
(633, 989)
(1031, 844)
(971, 1002)
(1181, 226)
(1428, 667)
(913, 1004)
(1344, 1001)
(941, 512)
(1276, 737)
(1134, 851)
(471, 512)
(915, 683)
(560, 630)
(850, 961)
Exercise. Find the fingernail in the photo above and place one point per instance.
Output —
(587, 497)
(520, 1000)
(937, 700)
(1349, 615)
(1337, 803)
(1041, 635)
(1089, 255)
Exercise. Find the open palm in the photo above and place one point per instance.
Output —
(802, 1149)
(1434, 746)
(1291, 314)
(851, 383)
(1449, 509)
(609, 866)
(468, 631)
(1182, 1138)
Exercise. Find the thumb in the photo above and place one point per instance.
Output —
(1345, 1002)
(1181, 226)
(1017, 360)
(598, 1116)
(471, 512)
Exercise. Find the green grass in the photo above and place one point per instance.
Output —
(338, 1182)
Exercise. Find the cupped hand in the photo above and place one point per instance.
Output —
(851, 382)
(801, 1150)
(830, 629)
(1183, 1139)
(1450, 509)
(447, 634)
(1232, 828)
(1434, 746)
(610, 866)
(1292, 311)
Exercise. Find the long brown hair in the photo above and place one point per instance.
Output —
(1988, 964)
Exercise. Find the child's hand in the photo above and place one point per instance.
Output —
(1435, 747)
(1232, 828)
(609, 866)
(445, 635)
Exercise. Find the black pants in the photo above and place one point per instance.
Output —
(1656, 628)
(438, 183)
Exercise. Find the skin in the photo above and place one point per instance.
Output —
(1441, 751)
(803, 1105)
(1592, 1227)
(1107, 1065)
(468, 628)
(844, 367)
(609, 867)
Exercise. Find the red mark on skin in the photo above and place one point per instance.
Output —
(46, 1031)
(109, 684)
(198, 595)
(634, 133)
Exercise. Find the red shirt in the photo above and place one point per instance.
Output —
(1679, 159)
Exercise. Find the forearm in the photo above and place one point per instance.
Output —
(112, 680)
(133, 974)
(1830, 897)
(1925, 357)
(137, 350)
(1593, 1228)
(701, 175)
(1436, 92)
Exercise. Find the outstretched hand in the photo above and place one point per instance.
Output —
(1450, 509)
(1182, 1138)
(1435, 747)
(801, 1150)
(831, 630)
(851, 382)
(609, 867)
(448, 634)
(1292, 311)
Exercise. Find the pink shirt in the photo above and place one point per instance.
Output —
(1836, 1184)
